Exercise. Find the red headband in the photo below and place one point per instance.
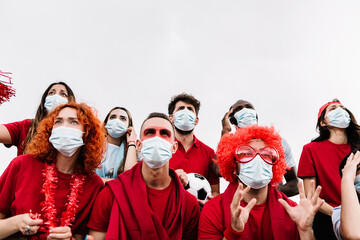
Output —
(325, 106)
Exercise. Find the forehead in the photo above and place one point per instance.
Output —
(181, 104)
(157, 122)
(242, 104)
(256, 144)
(58, 87)
(68, 112)
(119, 112)
(333, 105)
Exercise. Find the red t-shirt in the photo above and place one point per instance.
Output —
(100, 215)
(158, 199)
(261, 224)
(18, 132)
(197, 159)
(322, 160)
(20, 187)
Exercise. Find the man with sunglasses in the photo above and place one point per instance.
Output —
(147, 201)
(253, 161)
(241, 114)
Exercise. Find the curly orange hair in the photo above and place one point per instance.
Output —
(229, 142)
(94, 140)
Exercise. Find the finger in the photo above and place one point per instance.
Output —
(251, 204)
(60, 235)
(301, 190)
(311, 190)
(237, 197)
(357, 157)
(351, 156)
(201, 203)
(315, 197)
(318, 205)
(285, 204)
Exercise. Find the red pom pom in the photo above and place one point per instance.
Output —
(6, 92)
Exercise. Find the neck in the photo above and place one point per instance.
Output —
(156, 178)
(259, 194)
(66, 164)
(186, 140)
(115, 141)
(338, 135)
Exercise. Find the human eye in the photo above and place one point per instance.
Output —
(149, 132)
(74, 121)
(123, 118)
(52, 92)
(57, 122)
(165, 133)
(191, 109)
(63, 94)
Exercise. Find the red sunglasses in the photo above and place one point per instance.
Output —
(245, 153)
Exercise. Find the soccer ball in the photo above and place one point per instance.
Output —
(198, 186)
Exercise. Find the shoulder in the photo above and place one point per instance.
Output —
(26, 160)
(95, 180)
(204, 146)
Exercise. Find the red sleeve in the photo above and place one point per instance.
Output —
(191, 219)
(306, 164)
(7, 186)
(211, 220)
(17, 130)
(100, 215)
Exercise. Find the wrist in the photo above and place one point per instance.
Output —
(130, 142)
(230, 233)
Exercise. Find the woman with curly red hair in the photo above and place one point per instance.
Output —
(253, 156)
(42, 193)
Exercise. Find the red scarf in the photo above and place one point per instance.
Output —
(131, 216)
(282, 226)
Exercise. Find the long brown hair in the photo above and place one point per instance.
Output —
(123, 138)
(41, 112)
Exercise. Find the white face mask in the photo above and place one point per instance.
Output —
(185, 120)
(339, 118)
(66, 140)
(116, 128)
(256, 173)
(245, 117)
(53, 101)
(357, 183)
(156, 152)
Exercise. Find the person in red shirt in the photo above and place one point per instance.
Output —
(339, 134)
(147, 201)
(253, 157)
(48, 193)
(20, 133)
(192, 156)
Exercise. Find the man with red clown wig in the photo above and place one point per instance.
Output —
(252, 160)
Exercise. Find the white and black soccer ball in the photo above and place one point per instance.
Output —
(198, 186)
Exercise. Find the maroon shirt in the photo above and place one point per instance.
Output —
(20, 187)
(197, 159)
(18, 132)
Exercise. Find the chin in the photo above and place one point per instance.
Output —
(184, 132)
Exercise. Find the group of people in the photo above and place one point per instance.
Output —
(75, 177)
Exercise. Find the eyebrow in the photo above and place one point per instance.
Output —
(70, 118)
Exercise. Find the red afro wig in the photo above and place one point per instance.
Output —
(229, 142)
(94, 140)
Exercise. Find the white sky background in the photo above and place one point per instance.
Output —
(286, 57)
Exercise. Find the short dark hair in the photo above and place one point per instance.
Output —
(184, 97)
(157, 115)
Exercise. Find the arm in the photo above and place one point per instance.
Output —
(18, 223)
(131, 159)
(215, 190)
(325, 208)
(304, 213)
(96, 235)
(350, 208)
(226, 128)
(290, 188)
(5, 136)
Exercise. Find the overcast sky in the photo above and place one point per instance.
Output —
(286, 57)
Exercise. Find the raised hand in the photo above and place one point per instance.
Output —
(303, 214)
(240, 215)
(349, 170)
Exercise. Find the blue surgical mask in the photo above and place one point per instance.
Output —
(256, 173)
(245, 117)
(116, 128)
(185, 120)
(156, 152)
(357, 183)
(339, 118)
(53, 101)
(66, 140)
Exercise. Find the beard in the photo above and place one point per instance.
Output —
(181, 132)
